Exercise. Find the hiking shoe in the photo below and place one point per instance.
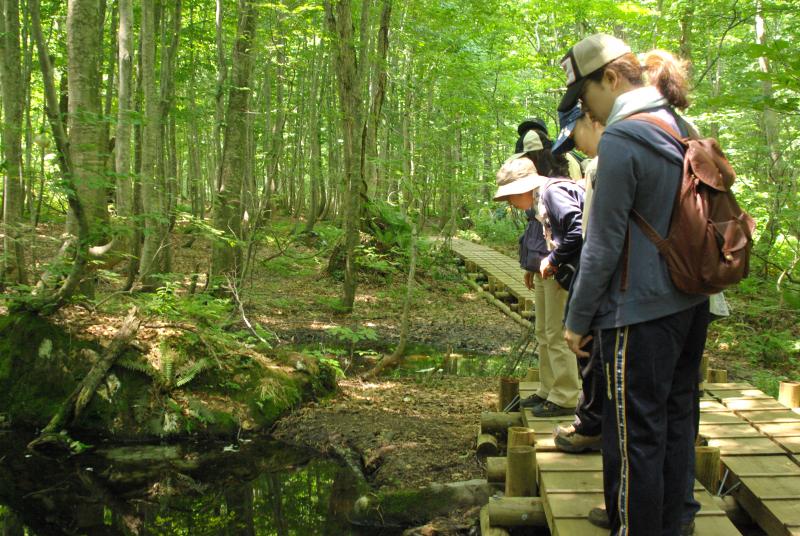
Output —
(549, 409)
(567, 439)
(599, 518)
(687, 529)
(532, 401)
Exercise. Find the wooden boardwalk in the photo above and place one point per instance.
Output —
(758, 437)
(572, 484)
(759, 440)
(504, 277)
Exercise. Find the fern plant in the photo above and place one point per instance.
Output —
(167, 376)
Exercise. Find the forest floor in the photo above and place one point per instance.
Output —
(417, 426)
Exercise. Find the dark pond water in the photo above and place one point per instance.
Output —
(255, 488)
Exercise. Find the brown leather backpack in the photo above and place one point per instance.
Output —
(707, 247)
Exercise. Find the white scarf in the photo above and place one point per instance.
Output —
(636, 100)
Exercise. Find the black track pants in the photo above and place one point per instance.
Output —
(648, 420)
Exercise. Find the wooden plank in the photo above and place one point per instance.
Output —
(561, 461)
(549, 423)
(778, 466)
(752, 403)
(718, 525)
(739, 429)
(574, 505)
(740, 393)
(791, 444)
(565, 482)
(719, 417)
(708, 505)
(712, 405)
(576, 527)
(769, 487)
(745, 446)
(783, 429)
(769, 416)
(545, 441)
(714, 387)
(773, 515)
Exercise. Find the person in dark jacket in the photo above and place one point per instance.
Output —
(651, 335)
(557, 211)
(584, 433)
(538, 124)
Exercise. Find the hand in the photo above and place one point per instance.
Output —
(529, 280)
(576, 342)
(546, 269)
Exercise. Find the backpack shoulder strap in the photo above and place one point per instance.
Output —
(663, 125)
(649, 231)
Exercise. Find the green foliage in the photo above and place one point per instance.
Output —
(327, 357)
(370, 258)
(354, 335)
(334, 304)
(388, 225)
(175, 369)
(499, 227)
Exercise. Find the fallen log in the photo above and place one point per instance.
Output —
(516, 512)
(496, 470)
(71, 409)
(498, 423)
(486, 527)
(485, 445)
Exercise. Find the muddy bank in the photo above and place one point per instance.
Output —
(167, 384)
(406, 433)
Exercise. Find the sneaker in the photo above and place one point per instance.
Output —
(567, 439)
(687, 529)
(549, 409)
(532, 401)
(599, 518)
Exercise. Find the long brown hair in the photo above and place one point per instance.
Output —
(660, 69)
(668, 74)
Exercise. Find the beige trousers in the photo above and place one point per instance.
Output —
(558, 366)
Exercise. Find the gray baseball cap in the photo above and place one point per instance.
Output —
(587, 56)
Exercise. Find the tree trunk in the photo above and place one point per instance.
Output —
(227, 256)
(340, 23)
(46, 300)
(152, 191)
(169, 169)
(13, 268)
(405, 323)
(315, 173)
(378, 94)
(124, 190)
(219, 98)
(771, 125)
(86, 128)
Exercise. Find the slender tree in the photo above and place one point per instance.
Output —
(13, 268)
(340, 23)
(87, 147)
(122, 156)
(156, 236)
(228, 213)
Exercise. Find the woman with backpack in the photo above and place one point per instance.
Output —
(650, 334)
(535, 181)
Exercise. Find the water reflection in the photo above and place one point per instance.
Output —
(259, 488)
